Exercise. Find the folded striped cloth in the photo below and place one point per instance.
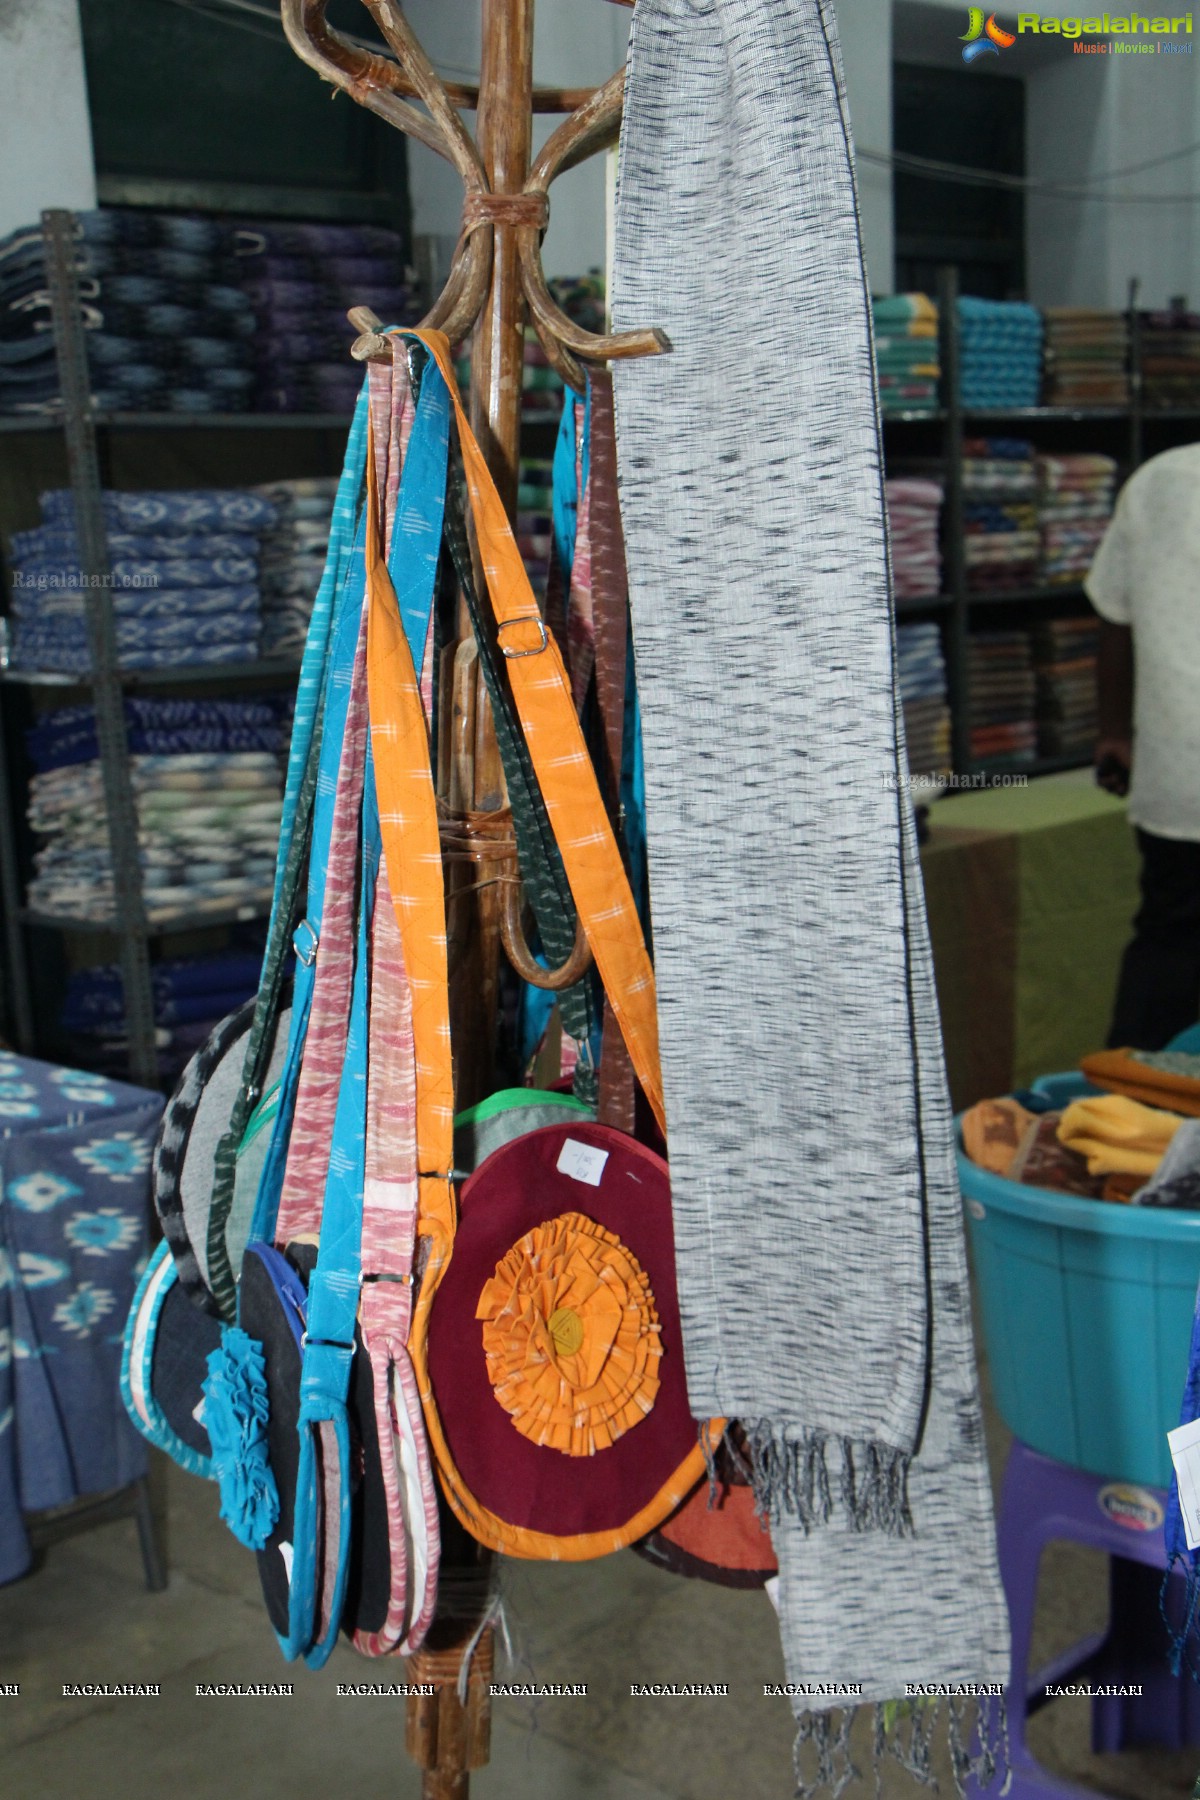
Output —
(208, 830)
(176, 511)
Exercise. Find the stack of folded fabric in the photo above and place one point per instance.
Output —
(1001, 357)
(1002, 694)
(207, 782)
(28, 371)
(541, 386)
(914, 506)
(906, 353)
(582, 298)
(168, 328)
(535, 524)
(156, 727)
(192, 994)
(1087, 357)
(301, 280)
(1171, 359)
(192, 314)
(293, 559)
(1000, 513)
(922, 672)
(1064, 660)
(185, 575)
(1075, 502)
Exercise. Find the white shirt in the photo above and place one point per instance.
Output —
(1147, 575)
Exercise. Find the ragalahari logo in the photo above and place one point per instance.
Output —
(982, 39)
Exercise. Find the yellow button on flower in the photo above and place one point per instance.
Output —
(566, 1328)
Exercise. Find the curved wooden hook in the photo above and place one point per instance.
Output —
(372, 81)
(590, 127)
(461, 300)
(367, 78)
(389, 17)
(517, 950)
(376, 83)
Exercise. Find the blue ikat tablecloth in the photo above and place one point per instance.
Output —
(74, 1211)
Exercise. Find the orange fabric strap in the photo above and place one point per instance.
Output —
(408, 824)
(599, 884)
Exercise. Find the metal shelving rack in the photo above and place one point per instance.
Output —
(127, 925)
(951, 422)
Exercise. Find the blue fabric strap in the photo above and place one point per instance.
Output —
(342, 533)
(333, 1290)
(343, 644)
(420, 507)
(564, 479)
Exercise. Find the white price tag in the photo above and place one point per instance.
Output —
(1185, 1454)
(287, 1553)
(582, 1162)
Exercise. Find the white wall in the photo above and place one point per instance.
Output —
(1089, 116)
(45, 132)
(1086, 116)
(577, 42)
(865, 28)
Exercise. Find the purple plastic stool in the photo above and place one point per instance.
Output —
(1042, 1500)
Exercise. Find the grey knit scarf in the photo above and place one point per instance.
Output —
(821, 1270)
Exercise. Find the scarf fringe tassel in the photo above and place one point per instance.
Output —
(791, 1474)
(905, 1733)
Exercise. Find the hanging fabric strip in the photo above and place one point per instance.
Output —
(390, 1189)
(335, 857)
(322, 1194)
(818, 1230)
(339, 655)
(568, 781)
(412, 848)
(322, 1516)
(545, 880)
(342, 530)
(581, 629)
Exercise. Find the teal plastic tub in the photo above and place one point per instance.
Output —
(1087, 1316)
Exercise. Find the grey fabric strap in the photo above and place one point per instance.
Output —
(261, 1037)
(813, 1185)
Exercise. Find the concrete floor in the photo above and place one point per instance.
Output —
(84, 1616)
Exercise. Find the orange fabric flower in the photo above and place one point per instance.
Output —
(571, 1336)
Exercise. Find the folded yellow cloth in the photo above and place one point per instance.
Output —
(1116, 1134)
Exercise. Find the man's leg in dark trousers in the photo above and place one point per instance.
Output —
(1158, 993)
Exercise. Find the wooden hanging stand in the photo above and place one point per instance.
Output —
(496, 283)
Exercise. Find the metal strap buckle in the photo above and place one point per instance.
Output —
(525, 619)
(307, 952)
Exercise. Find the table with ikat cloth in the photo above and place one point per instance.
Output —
(1031, 893)
(74, 1216)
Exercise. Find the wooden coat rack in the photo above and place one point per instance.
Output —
(495, 284)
